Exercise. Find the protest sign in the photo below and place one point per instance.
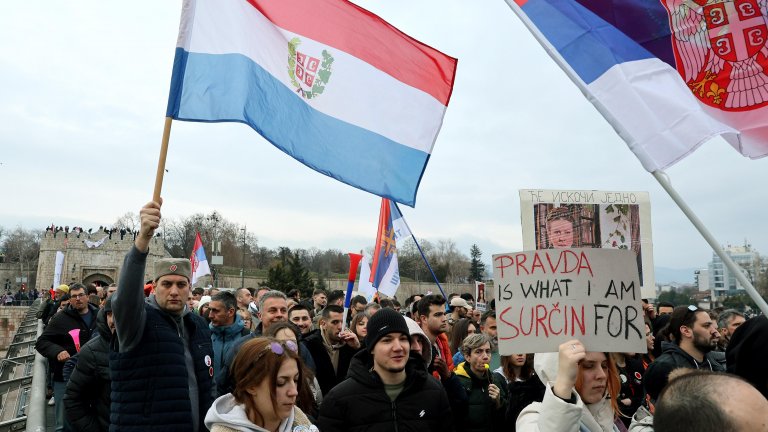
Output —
(480, 303)
(547, 297)
(596, 219)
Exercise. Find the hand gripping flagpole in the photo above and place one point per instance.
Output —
(422, 253)
(354, 263)
(161, 160)
(663, 179)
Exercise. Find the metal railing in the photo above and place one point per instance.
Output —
(19, 375)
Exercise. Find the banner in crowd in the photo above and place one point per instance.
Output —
(58, 267)
(547, 297)
(554, 219)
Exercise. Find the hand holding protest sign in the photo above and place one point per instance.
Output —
(547, 297)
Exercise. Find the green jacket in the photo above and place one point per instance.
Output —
(481, 413)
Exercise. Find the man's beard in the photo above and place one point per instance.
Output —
(494, 344)
(703, 344)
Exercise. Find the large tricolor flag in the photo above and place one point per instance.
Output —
(667, 74)
(325, 81)
(392, 230)
(198, 260)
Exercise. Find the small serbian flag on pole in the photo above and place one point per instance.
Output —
(385, 275)
(325, 81)
(198, 260)
(667, 75)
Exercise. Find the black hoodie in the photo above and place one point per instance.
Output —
(360, 403)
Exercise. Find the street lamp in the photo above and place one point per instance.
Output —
(242, 262)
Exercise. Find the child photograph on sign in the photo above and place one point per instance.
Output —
(590, 219)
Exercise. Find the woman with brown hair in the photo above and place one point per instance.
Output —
(581, 395)
(463, 328)
(358, 327)
(268, 375)
(523, 385)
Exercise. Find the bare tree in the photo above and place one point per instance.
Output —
(23, 247)
(130, 220)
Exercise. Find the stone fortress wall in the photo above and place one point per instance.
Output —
(101, 263)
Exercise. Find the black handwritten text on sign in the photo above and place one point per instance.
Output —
(546, 297)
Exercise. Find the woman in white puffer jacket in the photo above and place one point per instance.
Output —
(581, 393)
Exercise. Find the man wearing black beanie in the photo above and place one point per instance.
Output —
(385, 388)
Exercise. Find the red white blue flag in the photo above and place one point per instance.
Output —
(392, 230)
(198, 260)
(668, 75)
(325, 81)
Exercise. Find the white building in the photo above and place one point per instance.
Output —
(721, 281)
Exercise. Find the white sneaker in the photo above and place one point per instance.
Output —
(51, 402)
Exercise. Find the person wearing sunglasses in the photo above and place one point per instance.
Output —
(268, 379)
(694, 335)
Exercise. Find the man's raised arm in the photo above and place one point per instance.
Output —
(128, 301)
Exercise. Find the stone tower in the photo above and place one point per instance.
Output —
(99, 263)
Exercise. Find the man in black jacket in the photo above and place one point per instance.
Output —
(162, 366)
(62, 338)
(386, 389)
(695, 336)
(88, 391)
(331, 348)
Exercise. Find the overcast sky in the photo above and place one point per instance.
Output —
(84, 93)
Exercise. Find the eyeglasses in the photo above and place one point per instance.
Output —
(78, 295)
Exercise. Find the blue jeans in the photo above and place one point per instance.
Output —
(59, 388)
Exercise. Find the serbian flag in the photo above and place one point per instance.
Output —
(198, 260)
(668, 75)
(392, 229)
(325, 81)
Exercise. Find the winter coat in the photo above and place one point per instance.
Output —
(642, 421)
(223, 338)
(673, 357)
(480, 413)
(326, 376)
(226, 415)
(520, 394)
(87, 399)
(553, 414)
(360, 402)
(631, 377)
(56, 337)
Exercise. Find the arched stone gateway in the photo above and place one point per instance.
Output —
(98, 279)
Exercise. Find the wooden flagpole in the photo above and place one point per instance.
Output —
(161, 160)
(663, 179)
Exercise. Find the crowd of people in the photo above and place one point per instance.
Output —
(166, 356)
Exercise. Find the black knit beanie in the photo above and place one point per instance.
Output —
(382, 323)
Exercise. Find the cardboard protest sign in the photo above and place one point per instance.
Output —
(596, 219)
(547, 297)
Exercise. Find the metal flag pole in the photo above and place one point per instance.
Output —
(663, 179)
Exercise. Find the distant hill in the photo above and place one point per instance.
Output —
(667, 275)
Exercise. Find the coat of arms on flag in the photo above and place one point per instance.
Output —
(717, 49)
(308, 74)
